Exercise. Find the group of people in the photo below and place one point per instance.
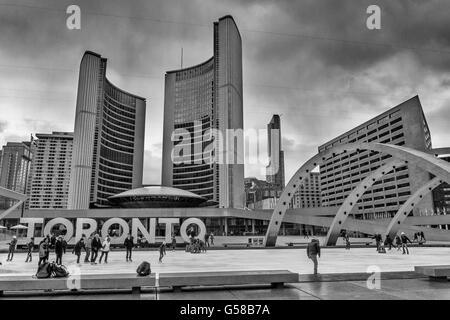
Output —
(400, 242)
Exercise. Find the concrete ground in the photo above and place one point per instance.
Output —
(333, 261)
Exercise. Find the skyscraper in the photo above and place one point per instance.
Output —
(16, 160)
(207, 97)
(108, 145)
(275, 170)
(50, 171)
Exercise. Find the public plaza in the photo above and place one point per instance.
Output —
(343, 273)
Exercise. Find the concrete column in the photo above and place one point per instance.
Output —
(226, 226)
(253, 226)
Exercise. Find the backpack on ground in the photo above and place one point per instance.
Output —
(144, 269)
(60, 271)
(44, 271)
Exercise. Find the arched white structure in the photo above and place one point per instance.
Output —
(421, 159)
(12, 195)
(405, 209)
(350, 202)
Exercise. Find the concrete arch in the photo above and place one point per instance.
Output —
(352, 199)
(405, 209)
(11, 195)
(423, 160)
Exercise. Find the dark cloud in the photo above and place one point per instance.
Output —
(312, 61)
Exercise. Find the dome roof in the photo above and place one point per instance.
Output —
(157, 191)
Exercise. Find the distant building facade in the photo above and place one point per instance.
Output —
(260, 194)
(308, 194)
(50, 171)
(15, 162)
(403, 125)
(201, 98)
(275, 170)
(441, 196)
(108, 144)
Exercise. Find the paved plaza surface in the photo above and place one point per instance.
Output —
(333, 261)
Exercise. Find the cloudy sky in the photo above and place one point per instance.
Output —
(312, 61)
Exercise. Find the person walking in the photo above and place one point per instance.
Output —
(95, 246)
(12, 248)
(30, 247)
(44, 249)
(416, 237)
(88, 247)
(162, 251)
(313, 251)
(405, 241)
(105, 249)
(211, 237)
(129, 245)
(59, 250)
(174, 242)
(77, 249)
(52, 241)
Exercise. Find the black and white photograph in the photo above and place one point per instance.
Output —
(224, 150)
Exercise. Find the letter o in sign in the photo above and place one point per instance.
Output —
(122, 223)
(189, 221)
(69, 227)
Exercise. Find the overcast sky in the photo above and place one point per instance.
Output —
(313, 61)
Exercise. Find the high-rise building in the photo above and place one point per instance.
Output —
(108, 144)
(308, 194)
(50, 171)
(405, 125)
(275, 169)
(199, 99)
(16, 160)
(257, 191)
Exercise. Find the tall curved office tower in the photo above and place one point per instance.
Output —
(199, 98)
(108, 146)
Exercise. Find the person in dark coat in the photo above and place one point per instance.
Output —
(52, 241)
(30, 247)
(405, 241)
(59, 250)
(12, 248)
(398, 242)
(78, 247)
(95, 246)
(313, 251)
(129, 245)
(422, 236)
(388, 242)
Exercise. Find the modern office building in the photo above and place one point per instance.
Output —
(308, 194)
(198, 100)
(50, 171)
(108, 143)
(15, 161)
(405, 125)
(275, 169)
